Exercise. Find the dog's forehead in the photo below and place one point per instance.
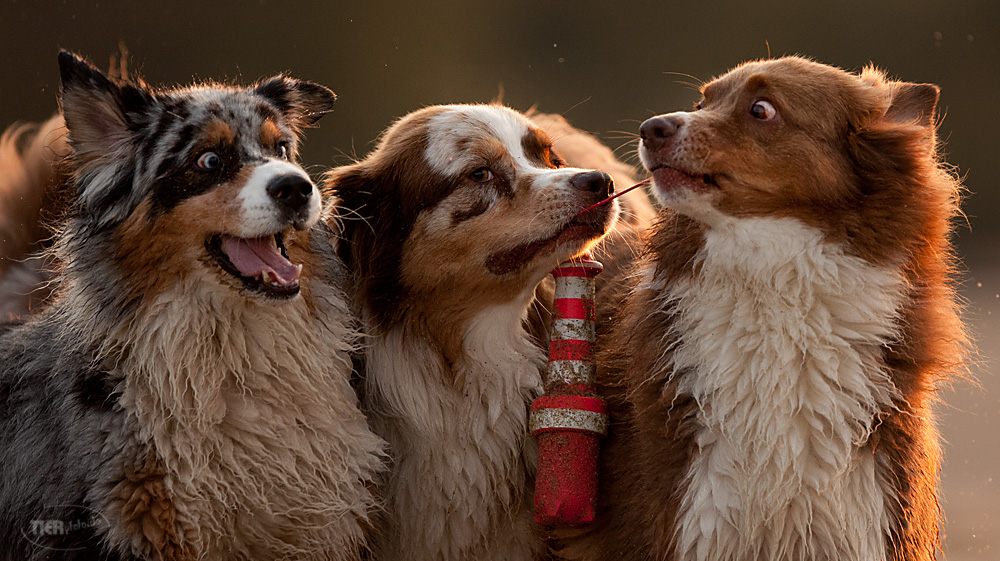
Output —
(252, 120)
(455, 133)
(748, 76)
(792, 76)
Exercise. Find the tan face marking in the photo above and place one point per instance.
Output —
(218, 132)
(269, 134)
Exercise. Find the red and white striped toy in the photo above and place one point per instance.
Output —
(570, 419)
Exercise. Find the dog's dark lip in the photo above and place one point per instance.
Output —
(708, 179)
(251, 283)
(581, 227)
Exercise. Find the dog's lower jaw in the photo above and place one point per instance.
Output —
(573, 239)
(464, 461)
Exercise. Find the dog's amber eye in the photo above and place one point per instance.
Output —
(481, 175)
(209, 160)
(763, 110)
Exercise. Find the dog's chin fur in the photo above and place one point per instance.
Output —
(258, 390)
(192, 417)
(446, 268)
(774, 366)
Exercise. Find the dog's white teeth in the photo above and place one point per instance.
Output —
(266, 277)
(298, 270)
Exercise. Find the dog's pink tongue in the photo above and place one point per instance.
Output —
(256, 256)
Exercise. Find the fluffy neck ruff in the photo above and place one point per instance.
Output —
(457, 428)
(246, 405)
(779, 342)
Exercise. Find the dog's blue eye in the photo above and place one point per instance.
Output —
(763, 110)
(283, 151)
(209, 160)
(481, 175)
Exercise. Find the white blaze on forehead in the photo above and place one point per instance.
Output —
(261, 216)
(463, 122)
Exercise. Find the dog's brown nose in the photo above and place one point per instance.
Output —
(657, 131)
(595, 182)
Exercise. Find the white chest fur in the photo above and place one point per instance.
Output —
(462, 457)
(779, 345)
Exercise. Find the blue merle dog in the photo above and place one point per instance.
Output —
(186, 394)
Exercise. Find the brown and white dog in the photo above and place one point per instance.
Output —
(775, 364)
(448, 226)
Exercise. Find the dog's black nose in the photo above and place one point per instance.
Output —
(291, 191)
(594, 181)
(657, 131)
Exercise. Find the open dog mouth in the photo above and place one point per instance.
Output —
(261, 264)
(669, 178)
(581, 227)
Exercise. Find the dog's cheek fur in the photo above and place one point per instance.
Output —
(308, 248)
(438, 256)
(173, 244)
(441, 254)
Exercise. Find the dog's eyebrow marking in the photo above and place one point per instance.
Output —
(756, 82)
(269, 133)
(218, 132)
(537, 147)
(491, 149)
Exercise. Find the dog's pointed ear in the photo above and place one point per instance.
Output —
(303, 102)
(913, 104)
(99, 113)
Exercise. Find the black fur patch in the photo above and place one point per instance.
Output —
(276, 91)
(301, 101)
(76, 73)
(96, 389)
(181, 179)
(117, 192)
(374, 219)
(147, 138)
(184, 138)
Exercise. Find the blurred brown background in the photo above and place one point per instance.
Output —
(608, 66)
